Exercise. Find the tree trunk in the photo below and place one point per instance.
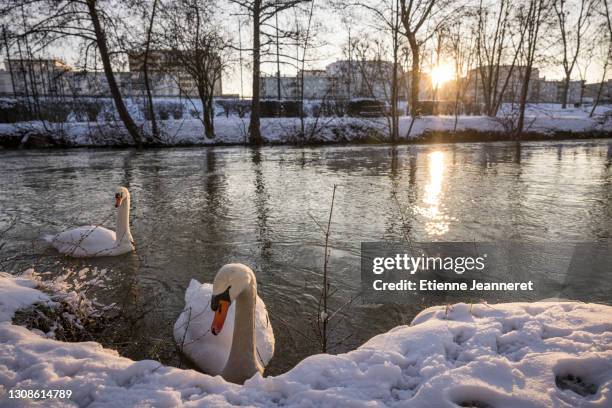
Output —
(207, 107)
(597, 99)
(145, 67)
(394, 110)
(487, 90)
(278, 74)
(532, 29)
(110, 76)
(565, 93)
(416, 75)
(523, 100)
(457, 95)
(254, 130)
(394, 88)
(600, 88)
(302, 124)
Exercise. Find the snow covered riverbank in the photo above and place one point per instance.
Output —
(555, 354)
(544, 120)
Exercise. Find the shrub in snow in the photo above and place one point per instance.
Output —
(12, 111)
(89, 110)
(166, 110)
(69, 314)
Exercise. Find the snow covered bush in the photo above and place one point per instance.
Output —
(69, 314)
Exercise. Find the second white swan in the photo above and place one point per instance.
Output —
(94, 240)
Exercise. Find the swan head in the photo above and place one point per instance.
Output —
(229, 283)
(121, 195)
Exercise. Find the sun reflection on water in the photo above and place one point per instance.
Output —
(433, 210)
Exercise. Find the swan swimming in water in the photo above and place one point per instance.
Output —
(224, 328)
(92, 240)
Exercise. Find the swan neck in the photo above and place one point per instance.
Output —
(123, 233)
(242, 362)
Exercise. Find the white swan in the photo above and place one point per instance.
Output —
(236, 339)
(92, 240)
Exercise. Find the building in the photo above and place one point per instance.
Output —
(269, 87)
(37, 77)
(53, 77)
(341, 80)
(509, 77)
(552, 92)
(316, 85)
(158, 60)
(85, 83)
(6, 83)
(591, 91)
(167, 75)
(541, 90)
(360, 79)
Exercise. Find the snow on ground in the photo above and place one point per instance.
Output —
(17, 293)
(541, 118)
(549, 354)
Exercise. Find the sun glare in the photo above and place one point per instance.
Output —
(441, 74)
(433, 208)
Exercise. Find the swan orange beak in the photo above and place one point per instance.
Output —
(220, 315)
(118, 200)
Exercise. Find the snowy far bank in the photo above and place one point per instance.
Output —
(555, 354)
(542, 119)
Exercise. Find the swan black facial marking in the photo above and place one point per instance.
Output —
(214, 301)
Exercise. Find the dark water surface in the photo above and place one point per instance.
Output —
(194, 210)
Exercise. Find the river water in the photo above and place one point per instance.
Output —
(195, 209)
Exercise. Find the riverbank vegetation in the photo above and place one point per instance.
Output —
(178, 128)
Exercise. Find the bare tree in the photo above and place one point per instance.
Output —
(439, 40)
(101, 36)
(200, 51)
(605, 49)
(304, 41)
(532, 19)
(386, 15)
(145, 71)
(260, 12)
(461, 47)
(417, 17)
(394, 27)
(327, 318)
(51, 21)
(493, 52)
(572, 33)
(323, 315)
(374, 73)
(583, 66)
(608, 16)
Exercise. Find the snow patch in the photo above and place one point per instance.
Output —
(487, 356)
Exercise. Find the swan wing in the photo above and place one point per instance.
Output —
(88, 240)
(192, 330)
(264, 335)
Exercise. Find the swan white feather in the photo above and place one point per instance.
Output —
(210, 353)
(92, 240)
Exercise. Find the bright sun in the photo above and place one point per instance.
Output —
(441, 74)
